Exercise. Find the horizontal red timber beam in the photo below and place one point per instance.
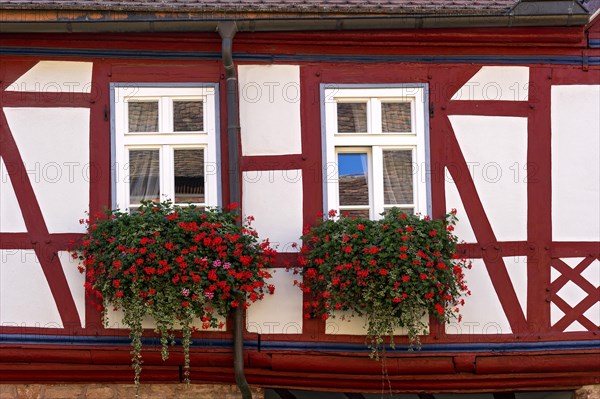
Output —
(346, 371)
(362, 365)
(466, 37)
(271, 162)
(575, 249)
(114, 356)
(538, 364)
(576, 75)
(175, 358)
(341, 363)
(139, 41)
(490, 108)
(348, 383)
(53, 242)
(494, 249)
(164, 71)
(286, 259)
(47, 99)
(488, 37)
(406, 383)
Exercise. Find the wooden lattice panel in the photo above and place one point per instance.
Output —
(574, 292)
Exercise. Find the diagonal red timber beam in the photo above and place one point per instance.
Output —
(568, 274)
(38, 234)
(443, 82)
(484, 233)
(576, 313)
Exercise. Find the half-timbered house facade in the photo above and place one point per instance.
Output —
(489, 107)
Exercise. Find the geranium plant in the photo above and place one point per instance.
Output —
(174, 265)
(392, 271)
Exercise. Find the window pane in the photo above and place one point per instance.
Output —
(144, 176)
(353, 179)
(395, 117)
(188, 116)
(189, 176)
(143, 116)
(352, 117)
(397, 177)
(357, 213)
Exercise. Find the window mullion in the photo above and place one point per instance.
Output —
(165, 115)
(377, 181)
(167, 177)
(122, 174)
(420, 174)
(370, 177)
(374, 115)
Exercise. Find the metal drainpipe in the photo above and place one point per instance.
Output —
(227, 30)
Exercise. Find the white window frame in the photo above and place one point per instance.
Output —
(165, 140)
(374, 142)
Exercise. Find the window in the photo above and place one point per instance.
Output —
(165, 145)
(375, 149)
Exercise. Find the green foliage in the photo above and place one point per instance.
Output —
(393, 271)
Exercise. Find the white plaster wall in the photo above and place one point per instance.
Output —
(25, 297)
(482, 313)
(516, 267)
(463, 229)
(280, 313)
(56, 76)
(347, 324)
(502, 83)
(54, 145)
(495, 149)
(274, 198)
(11, 217)
(575, 163)
(270, 109)
(592, 273)
(593, 313)
(75, 280)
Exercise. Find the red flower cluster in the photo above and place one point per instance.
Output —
(387, 267)
(198, 263)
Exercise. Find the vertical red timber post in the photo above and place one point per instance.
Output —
(100, 158)
(312, 169)
(539, 194)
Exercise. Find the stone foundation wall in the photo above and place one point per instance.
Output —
(123, 391)
(588, 392)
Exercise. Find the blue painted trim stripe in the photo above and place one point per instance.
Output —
(66, 340)
(212, 56)
(87, 340)
(429, 348)
(594, 43)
